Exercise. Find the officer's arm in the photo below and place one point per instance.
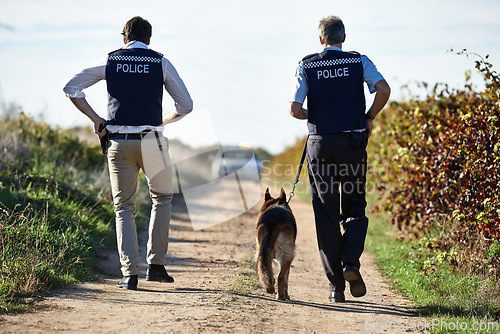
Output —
(381, 98)
(171, 117)
(82, 105)
(297, 111)
(86, 78)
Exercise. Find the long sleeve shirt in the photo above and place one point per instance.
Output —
(96, 72)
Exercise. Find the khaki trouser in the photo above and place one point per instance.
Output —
(125, 157)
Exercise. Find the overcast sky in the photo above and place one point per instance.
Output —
(237, 58)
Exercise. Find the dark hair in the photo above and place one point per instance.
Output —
(137, 29)
(332, 30)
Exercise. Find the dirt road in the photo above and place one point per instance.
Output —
(215, 292)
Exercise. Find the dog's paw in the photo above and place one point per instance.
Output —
(282, 297)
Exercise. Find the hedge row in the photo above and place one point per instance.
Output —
(440, 158)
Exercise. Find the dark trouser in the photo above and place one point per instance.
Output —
(337, 174)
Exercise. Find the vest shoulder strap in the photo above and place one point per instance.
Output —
(159, 54)
(114, 51)
(354, 53)
(309, 56)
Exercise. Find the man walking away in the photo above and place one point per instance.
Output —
(135, 78)
(339, 128)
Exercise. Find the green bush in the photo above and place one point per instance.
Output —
(442, 159)
(38, 147)
(55, 208)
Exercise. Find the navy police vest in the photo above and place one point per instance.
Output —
(134, 78)
(335, 98)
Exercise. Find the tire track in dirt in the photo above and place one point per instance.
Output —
(206, 264)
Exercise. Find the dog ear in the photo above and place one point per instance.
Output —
(282, 198)
(267, 197)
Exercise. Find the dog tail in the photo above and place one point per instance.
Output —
(268, 237)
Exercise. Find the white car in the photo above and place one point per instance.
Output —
(240, 159)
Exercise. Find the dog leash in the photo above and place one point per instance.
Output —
(292, 193)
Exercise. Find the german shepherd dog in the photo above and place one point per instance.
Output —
(275, 239)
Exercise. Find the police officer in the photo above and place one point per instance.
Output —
(135, 78)
(339, 127)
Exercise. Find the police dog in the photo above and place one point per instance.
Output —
(275, 240)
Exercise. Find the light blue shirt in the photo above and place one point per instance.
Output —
(370, 75)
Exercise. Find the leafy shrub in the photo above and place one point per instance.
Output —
(442, 155)
(37, 146)
(55, 206)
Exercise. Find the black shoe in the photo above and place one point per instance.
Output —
(128, 282)
(356, 284)
(158, 273)
(336, 297)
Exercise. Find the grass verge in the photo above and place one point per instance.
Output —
(245, 281)
(55, 207)
(450, 301)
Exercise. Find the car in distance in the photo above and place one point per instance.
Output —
(236, 158)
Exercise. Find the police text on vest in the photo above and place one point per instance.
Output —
(132, 68)
(333, 73)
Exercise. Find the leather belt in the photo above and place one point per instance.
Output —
(129, 136)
